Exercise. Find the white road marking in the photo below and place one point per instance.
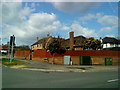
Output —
(113, 80)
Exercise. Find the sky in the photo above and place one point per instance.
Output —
(28, 20)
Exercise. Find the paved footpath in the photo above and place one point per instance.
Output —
(43, 66)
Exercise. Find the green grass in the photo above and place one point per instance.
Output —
(6, 61)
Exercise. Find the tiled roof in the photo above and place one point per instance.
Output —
(44, 40)
(78, 41)
(111, 40)
(3, 47)
(40, 41)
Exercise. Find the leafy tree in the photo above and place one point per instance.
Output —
(55, 47)
(19, 48)
(91, 43)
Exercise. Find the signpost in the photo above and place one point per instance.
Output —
(12, 43)
(8, 43)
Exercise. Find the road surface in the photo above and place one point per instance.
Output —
(18, 78)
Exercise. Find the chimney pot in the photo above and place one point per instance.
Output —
(48, 35)
(36, 39)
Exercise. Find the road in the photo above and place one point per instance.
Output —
(17, 78)
(0, 76)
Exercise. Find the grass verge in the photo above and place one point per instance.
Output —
(6, 61)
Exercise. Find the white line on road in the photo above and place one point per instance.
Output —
(113, 80)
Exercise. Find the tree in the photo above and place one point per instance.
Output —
(91, 43)
(19, 48)
(55, 47)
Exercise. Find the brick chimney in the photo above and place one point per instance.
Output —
(48, 35)
(71, 40)
(36, 39)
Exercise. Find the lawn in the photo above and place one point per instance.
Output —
(6, 61)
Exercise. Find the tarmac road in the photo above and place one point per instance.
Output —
(0, 76)
(18, 78)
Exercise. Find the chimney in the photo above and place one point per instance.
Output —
(48, 35)
(36, 39)
(71, 40)
(101, 39)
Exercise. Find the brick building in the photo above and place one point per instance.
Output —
(75, 43)
(42, 43)
(69, 44)
(3, 49)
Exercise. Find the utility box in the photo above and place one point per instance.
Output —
(108, 61)
(85, 60)
(66, 60)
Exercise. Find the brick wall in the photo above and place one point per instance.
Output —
(22, 54)
(43, 53)
(97, 57)
(75, 60)
(101, 60)
(98, 60)
(115, 60)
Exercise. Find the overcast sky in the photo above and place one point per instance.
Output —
(28, 20)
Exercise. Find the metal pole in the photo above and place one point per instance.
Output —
(12, 50)
(8, 50)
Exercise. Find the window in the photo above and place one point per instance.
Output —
(111, 45)
(37, 45)
(40, 45)
(32, 46)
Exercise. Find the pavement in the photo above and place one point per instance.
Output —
(47, 67)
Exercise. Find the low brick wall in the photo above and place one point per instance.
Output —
(97, 57)
(22, 54)
(101, 60)
(98, 60)
(75, 60)
(115, 60)
(20, 57)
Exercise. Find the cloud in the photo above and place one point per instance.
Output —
(25, 25)
(33, 5)
(11, 0)
(88, 17)
(101, 18)
(78, 0)
(107, 29)
(71, 7)
(65, 28)
(108, 20)
(10, 12)
(91, 16)
(80, 30)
